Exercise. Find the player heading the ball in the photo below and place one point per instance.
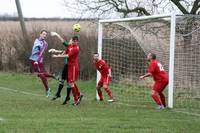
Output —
(64, 71)
(71, 53)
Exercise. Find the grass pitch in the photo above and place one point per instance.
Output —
(25, 109)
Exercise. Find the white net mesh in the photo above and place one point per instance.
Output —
(187, 62)
(125, 45)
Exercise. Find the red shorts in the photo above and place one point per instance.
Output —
(105, 80)
(37, 67)
(159, 86)
(72, 73)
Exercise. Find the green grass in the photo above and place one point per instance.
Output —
(29, 113)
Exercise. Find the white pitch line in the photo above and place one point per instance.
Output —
(18, 91)
(130, 105)
(28, 93)
(174, 110)
(188, 113)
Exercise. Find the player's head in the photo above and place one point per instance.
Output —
(151, 56)
(75, 39)
(95, 56)
(43, 34)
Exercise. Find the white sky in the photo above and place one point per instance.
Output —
(36, 8)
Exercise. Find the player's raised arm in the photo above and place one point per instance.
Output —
(64, 42)
(54, 51)
(57, 35)
(60, 56)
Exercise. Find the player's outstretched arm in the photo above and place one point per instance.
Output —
(146, 75)
(54, 51)
(109, 74)
(57, 35)
(60, 56)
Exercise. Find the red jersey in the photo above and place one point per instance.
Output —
(72, 51)
(102, 67)
(157, 71)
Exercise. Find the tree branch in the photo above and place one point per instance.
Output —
(180, 6)
(195, 7)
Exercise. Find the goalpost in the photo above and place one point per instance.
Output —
(124, 43)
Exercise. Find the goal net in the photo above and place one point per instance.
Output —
(187, 62)
(124, 44)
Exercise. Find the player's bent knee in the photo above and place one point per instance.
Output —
(40, 75)
(71, 84)
(105, 86)
(98, 87)
(153, 92)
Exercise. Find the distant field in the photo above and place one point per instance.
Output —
(25, 109)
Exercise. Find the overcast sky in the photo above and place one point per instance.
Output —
(36, 8)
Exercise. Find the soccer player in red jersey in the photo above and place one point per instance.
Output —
(64, 71)
(105, 71)
(71, 53)
(160, 77)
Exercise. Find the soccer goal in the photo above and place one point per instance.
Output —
(124, 44)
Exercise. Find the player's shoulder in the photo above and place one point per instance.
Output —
(154, 62)
(37, 42)
(99, 62)
(69, 46)
(102, 60)
(76, 46)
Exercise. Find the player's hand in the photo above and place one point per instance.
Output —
(142, 77)
(52, 50)
(35, 63)
(70, 41)
(54, 34)
(54, 56)
(109, 75)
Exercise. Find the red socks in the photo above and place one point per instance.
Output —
(109, 93)
(162, 98)
(156, 99)
(101, 94)
(75, 92)
(44, 81)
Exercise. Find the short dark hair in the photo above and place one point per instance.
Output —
(75, 38)
(153, 56)
(96, 53)
(43, 31)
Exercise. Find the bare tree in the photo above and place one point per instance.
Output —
(126, 8)
(107, 7)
